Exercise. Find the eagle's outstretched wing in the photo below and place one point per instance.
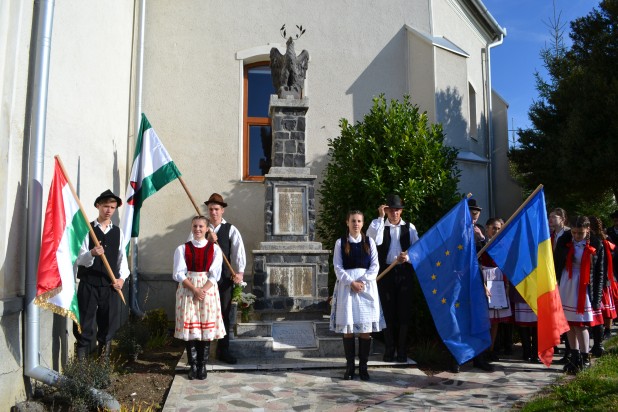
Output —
(277, 68)
(302, 63)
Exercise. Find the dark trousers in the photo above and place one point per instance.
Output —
(225, 294)
(396, 292)
(98, 314)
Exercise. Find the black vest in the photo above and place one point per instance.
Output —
(357, 257)
(223, 239)
(404, 242)
(97, 274)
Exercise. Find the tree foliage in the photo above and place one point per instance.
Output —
(572, 147)
(393, 150)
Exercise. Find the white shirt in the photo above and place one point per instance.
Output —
(238, 259)
(342, 275)
(376, 232)
(86, 259)
(180, 266)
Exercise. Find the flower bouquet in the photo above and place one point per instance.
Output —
(243, 300)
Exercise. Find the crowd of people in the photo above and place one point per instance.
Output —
(583, 258)
(213, 260)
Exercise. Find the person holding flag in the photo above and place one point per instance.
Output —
(393, 237)
(97, 296)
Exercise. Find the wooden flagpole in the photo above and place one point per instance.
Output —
(197, 210)
(93, 236)
(519, 209)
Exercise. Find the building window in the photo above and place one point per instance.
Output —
(257, 137)
(472, 103)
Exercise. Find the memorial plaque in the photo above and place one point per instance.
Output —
(290, 210)
(294, 335)
(294, 281)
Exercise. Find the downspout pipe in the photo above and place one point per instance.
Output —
(490, 121)
(43, 16)
(137, 119)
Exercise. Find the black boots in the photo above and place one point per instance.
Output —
(567, 353)
(363, 356)
(597, 334)
(104, 350)
(349, 345)
(402, 348)
(480, 361)
(203, 349)
(191, 359)
(574, 363)
(389, 345)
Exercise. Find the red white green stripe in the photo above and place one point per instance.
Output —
(152, 169)
(64, 232)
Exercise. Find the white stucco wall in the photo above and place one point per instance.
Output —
(87, 125)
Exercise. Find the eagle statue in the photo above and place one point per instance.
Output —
(288, 70)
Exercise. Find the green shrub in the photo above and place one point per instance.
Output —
(393, 150)
(79, 377)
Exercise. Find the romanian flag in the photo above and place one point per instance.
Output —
(522, 250)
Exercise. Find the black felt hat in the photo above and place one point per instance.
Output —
(107, 195)
(473, 206)
(394, 201)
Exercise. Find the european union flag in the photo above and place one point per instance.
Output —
(447, 269)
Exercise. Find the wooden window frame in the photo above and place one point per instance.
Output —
(250, 121)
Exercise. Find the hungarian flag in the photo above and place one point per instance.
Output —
(64, 232)
(152, 169)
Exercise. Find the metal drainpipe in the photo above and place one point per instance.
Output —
(43, 15)
(490, 129)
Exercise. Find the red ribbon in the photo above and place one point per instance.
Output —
(584, 273)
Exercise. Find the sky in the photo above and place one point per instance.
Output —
(515, 61)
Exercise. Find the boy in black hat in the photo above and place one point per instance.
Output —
(97, 296)
(393, 237)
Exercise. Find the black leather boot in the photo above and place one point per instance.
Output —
(191, 359)
(480, 361)
(402, 347)
(363, 356)
(597, 348)
(349, 346)
(105, 350)
(585, 361)
(574, 364)
(203, 349)
(81, 353)
(534, 353)
(389, 345)
(567, 353)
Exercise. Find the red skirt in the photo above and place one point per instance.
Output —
(608, 307)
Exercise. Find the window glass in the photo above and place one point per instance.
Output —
(260, 89)
(260, 146)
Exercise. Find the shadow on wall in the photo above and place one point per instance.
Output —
(449, 113)
(385, 74)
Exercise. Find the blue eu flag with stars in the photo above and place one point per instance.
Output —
(447, 269)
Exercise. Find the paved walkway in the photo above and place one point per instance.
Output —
(257, 386)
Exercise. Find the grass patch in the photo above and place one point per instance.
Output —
(595, 389)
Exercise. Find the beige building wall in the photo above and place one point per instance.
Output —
(507, 192)
(87, 125)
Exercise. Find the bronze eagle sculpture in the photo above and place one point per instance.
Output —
(288, 70)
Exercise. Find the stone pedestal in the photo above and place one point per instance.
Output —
(290, 269)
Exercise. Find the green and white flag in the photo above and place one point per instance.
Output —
(152, 169)
(64, 232)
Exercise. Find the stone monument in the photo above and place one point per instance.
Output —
(290, 269)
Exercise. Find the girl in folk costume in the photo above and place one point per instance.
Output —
(494, 274)
(608, 307)
(197, 267)
(578, 259)
(557, 220)
(356, 303)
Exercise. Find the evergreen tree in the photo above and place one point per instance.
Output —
(572, 147)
